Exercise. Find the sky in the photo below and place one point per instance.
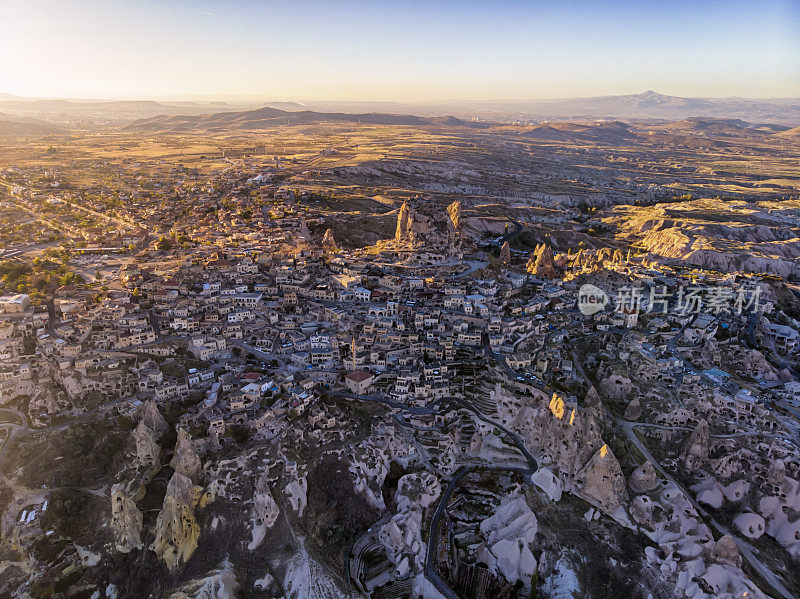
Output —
(404, 51)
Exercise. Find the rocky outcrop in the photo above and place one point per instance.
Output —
(509, 532)
(401, 231)
(153, 419)
(176, 529)
(328, 242)
(634, 409)
(186, 461)
(296, 488)
(601, 482)
(541, 262)
(616, 386)
(505, 253)
(454, 212)
(750, 525)
(726, 551)
(265, 512)
(370, 461)
(696, 448)
(126, 518)
(566, 440)
(421, 224)
(147, 450)
(752, 238)
(402, 535)
(220, 583)
(703, 567)
(644, 478)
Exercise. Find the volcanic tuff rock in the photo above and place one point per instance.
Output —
(601, 481)
(265, 511)
(402, 535)
(147, 450)
(328, 242)
(541, 262)
(153, 419)
(186, 461)
(370, 461)
(505, 253)
(644, 479)
(568, 440)
(296, 488)
(421, 224)
(753, 237)
(454, 212)
(696, 449)
(176, 528)
(220, 583)
(126, 518)
(509, 533)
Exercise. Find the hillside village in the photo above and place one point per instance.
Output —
(452, 390)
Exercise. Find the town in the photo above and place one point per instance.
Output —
(225, 378)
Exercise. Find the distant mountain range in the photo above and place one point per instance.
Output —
(650, 106)
(646, 106)
(270, 117)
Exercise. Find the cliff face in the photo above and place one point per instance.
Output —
(153, 419)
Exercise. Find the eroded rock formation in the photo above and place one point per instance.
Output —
(541, 262)
(186, 461)
(176, 529)
(328, 242)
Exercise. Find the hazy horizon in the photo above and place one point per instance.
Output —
(404, 52)
(250, 99)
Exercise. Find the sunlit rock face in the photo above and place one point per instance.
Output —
(505, 253)
(176, 530)
(328, 242)
(541, 262)
(424, 225)
(401, 232)
(454, 212)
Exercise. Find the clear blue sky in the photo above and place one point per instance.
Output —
(402, 51)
